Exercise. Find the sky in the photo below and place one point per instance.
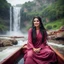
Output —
(14, 2)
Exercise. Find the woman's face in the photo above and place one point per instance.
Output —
(36, 22)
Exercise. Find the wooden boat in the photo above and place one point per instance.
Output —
(18, 55)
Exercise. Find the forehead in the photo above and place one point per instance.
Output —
(35, 19)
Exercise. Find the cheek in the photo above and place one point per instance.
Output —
(36, 23)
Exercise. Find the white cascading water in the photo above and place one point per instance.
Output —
(10, 18)
(16, 24)
(15, 21)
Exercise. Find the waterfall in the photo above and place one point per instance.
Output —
(15, 18)
(15, 21)
(10, 18)
(16, 24)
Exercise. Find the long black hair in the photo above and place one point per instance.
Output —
(42, 30)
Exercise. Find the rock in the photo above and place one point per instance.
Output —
(61, 28)
(8, 42)
(1, 44)
(14, 41)
(61, 34)
(57, 34)
(5, 43)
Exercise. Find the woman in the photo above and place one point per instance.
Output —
(38, 52)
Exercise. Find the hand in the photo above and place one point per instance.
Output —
(24, 46)
(36, 49)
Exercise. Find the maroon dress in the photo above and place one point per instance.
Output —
(45, 56)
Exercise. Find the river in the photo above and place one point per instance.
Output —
(5, 51)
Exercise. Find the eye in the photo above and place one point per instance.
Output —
(37, 20)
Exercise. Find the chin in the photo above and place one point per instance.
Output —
(36, 26)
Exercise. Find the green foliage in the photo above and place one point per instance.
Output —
(55, 25)
(4, 9)
(54, 11)
(3, 28)
(28, 5)
(49, 27)
(51, 9)
(4, 15)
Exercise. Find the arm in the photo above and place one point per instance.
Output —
(30, 44)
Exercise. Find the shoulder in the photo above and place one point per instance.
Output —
(30, 30)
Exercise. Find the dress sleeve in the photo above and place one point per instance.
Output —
(45, 40)
(29, 44)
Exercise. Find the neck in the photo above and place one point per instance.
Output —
(37, 28)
